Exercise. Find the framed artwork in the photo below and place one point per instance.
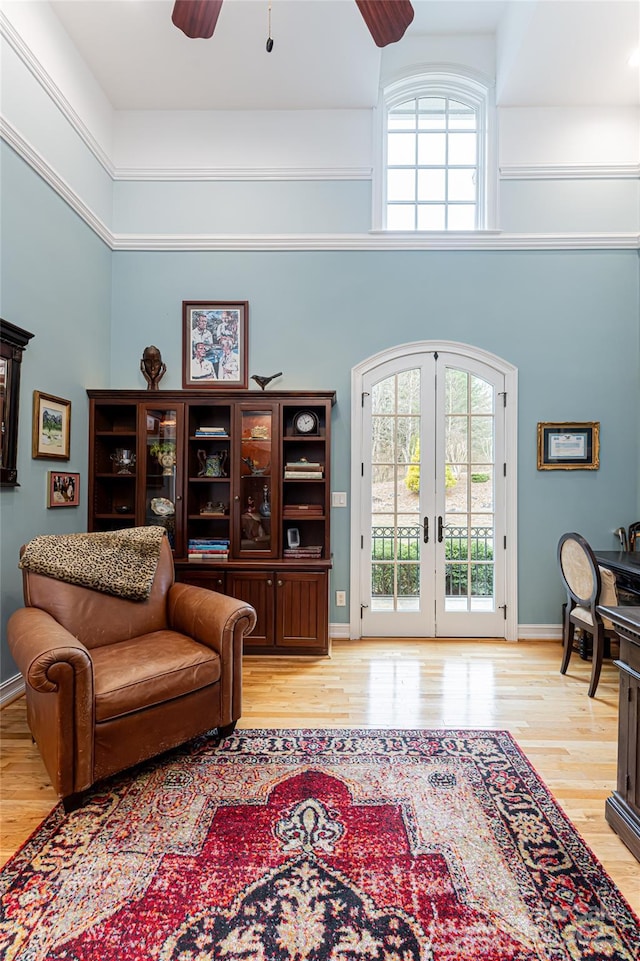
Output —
(214, 344)
(63, 489)
(51, 433)
(569, 446)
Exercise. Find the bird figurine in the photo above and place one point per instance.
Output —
(263, 381)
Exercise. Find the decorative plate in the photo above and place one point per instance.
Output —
(162, 506)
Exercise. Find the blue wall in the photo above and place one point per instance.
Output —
(568, 320)
(55, 281)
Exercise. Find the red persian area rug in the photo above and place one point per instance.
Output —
(317, 846)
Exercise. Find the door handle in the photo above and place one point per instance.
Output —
(440, 530)
(425, 530)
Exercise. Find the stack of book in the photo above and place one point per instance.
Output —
(314, 550)
(294, 510)
(211, 432)
(303, 470)
(208, 549)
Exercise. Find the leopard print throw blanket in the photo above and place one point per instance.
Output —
(115, 562)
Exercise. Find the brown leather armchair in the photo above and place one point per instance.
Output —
(111, 682)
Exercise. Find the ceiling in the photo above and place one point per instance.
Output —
(549, 52)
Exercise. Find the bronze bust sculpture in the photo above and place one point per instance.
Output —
(152, 367)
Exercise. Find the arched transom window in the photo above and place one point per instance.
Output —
(435, 154)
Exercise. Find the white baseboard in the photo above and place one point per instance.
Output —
(540, 632)
(11, 689)
(339, 632)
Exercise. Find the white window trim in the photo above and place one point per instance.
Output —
(440, 80)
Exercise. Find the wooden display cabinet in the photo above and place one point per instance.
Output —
(241, 482)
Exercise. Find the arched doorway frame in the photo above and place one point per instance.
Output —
(418, 349)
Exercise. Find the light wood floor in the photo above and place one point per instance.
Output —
(569, 738)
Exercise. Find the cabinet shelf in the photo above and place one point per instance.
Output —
(208, 480)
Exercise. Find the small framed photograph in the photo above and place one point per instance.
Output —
(569, 446)
(63, 489)
(51, 434)
(215, 345)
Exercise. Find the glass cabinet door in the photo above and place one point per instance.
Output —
(162, 452)
(256, 490)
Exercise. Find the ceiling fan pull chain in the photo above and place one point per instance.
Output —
(269, 40)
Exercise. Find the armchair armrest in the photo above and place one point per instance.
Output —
(40, 647)
(209, 617)
(58, 672)
(220, 622)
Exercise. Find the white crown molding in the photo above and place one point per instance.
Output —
(34, 67)
(570, 172)
(374, 240)
(31, 156)
(391, 241)
(243, 173)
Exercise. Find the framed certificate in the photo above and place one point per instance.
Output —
(569, 446)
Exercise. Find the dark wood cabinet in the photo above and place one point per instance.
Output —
(241, 482)
(623, 807)
(292, 608)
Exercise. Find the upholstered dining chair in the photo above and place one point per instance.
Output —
(113, 680)
(587, 585)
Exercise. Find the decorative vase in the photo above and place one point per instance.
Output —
(167, 461)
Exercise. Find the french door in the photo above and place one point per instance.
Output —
(433, 497)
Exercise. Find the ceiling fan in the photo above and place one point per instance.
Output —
(387, 20)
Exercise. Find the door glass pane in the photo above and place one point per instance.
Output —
(481, 396)
(469, 486)
(408, 392)
(482, 487)
(255, 480)
(383, 397)
(383, 440)
(160, 470)
(456, 390)
(406, 439)
(395, 492)
(482, 439)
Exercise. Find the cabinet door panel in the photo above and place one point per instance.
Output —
(256, 588)
(302, 610)
(211, 580)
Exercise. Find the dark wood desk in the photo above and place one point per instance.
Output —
(622, 809)
(626, 566)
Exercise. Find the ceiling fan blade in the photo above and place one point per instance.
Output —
(196, 18)
(387, 20)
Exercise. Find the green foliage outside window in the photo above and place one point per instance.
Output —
(412, 480)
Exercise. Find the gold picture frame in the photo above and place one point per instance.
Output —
(569, 445)
(51, 433)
